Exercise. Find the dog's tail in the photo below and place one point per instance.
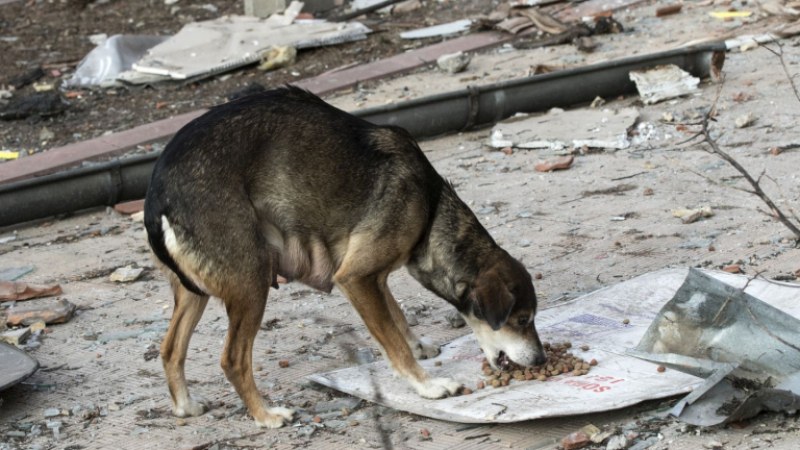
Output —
(153, 211)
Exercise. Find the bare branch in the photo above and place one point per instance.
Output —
(755, 184)
(779, 54)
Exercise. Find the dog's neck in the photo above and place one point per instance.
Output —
(447, 260)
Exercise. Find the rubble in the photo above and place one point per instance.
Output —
(562, 163)
(663, 83)
(453, 63)
(126, 274)
(50, 311)
(19, 291)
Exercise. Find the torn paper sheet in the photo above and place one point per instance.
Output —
(215, 46)
(598, 320)
(559, 129)
(663, 83)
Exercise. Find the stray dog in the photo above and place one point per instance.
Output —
(281, 183)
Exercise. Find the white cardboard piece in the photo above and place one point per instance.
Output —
(223, 44)
(596, 320)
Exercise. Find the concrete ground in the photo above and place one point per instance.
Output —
(97, 370)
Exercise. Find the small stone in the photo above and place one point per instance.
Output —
(425, 434)
(16, 337)
(45, 135)
(577, 439)
(732, 268)
(317, 419)
(538, 276)
(454, 62)
(51, 412)
(364, 355)
(647, 192)
(626, 321)
(126, 274)
(284, 363)
(617, 442)
(745, 120)
(180, 422)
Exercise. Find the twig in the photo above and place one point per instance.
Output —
(754, 183)
(779, 54)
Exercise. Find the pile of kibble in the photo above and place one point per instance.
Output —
(559, 361)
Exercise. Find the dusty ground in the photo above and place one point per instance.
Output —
(95, 369)
(54, 36)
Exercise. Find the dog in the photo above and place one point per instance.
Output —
(281, 183)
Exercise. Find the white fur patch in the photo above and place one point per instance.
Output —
(179, 254)
(436, 387)
(170, 240)
(519, 349)
(276, 417)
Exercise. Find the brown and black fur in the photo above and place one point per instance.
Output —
(281, 183)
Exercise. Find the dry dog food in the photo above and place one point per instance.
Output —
(559, 361)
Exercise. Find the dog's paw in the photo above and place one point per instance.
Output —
(192, 407)
(275, 417)
(422, 349)
(437, 387)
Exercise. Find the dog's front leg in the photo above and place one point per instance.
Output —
(366, 293)
(421, 348)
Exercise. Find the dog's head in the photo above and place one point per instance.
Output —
(501, 305)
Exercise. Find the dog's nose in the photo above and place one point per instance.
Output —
(541, 358)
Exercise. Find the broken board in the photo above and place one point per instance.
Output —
(597, 320)
(559, 129)
(15, 365)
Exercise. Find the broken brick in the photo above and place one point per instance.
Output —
(555, 164)
(47, 310)
(18, 290)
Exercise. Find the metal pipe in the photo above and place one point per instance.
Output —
(127, 178)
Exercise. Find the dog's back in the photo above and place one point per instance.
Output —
(286, 172)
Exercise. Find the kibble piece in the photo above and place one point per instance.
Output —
(466, 391)
(661, 368)
(593, 362)
(626, 321)
(480, 385)
(284, 363)
(585, 347)
(495, 383)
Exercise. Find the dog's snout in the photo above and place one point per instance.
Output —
(540, 359)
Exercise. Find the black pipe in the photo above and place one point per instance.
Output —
(127, 178)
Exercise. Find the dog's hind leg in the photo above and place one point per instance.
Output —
(362, 277)
(245, 300)
(189, 308)
(419, 347)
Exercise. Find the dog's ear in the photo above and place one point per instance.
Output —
(492, 299)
